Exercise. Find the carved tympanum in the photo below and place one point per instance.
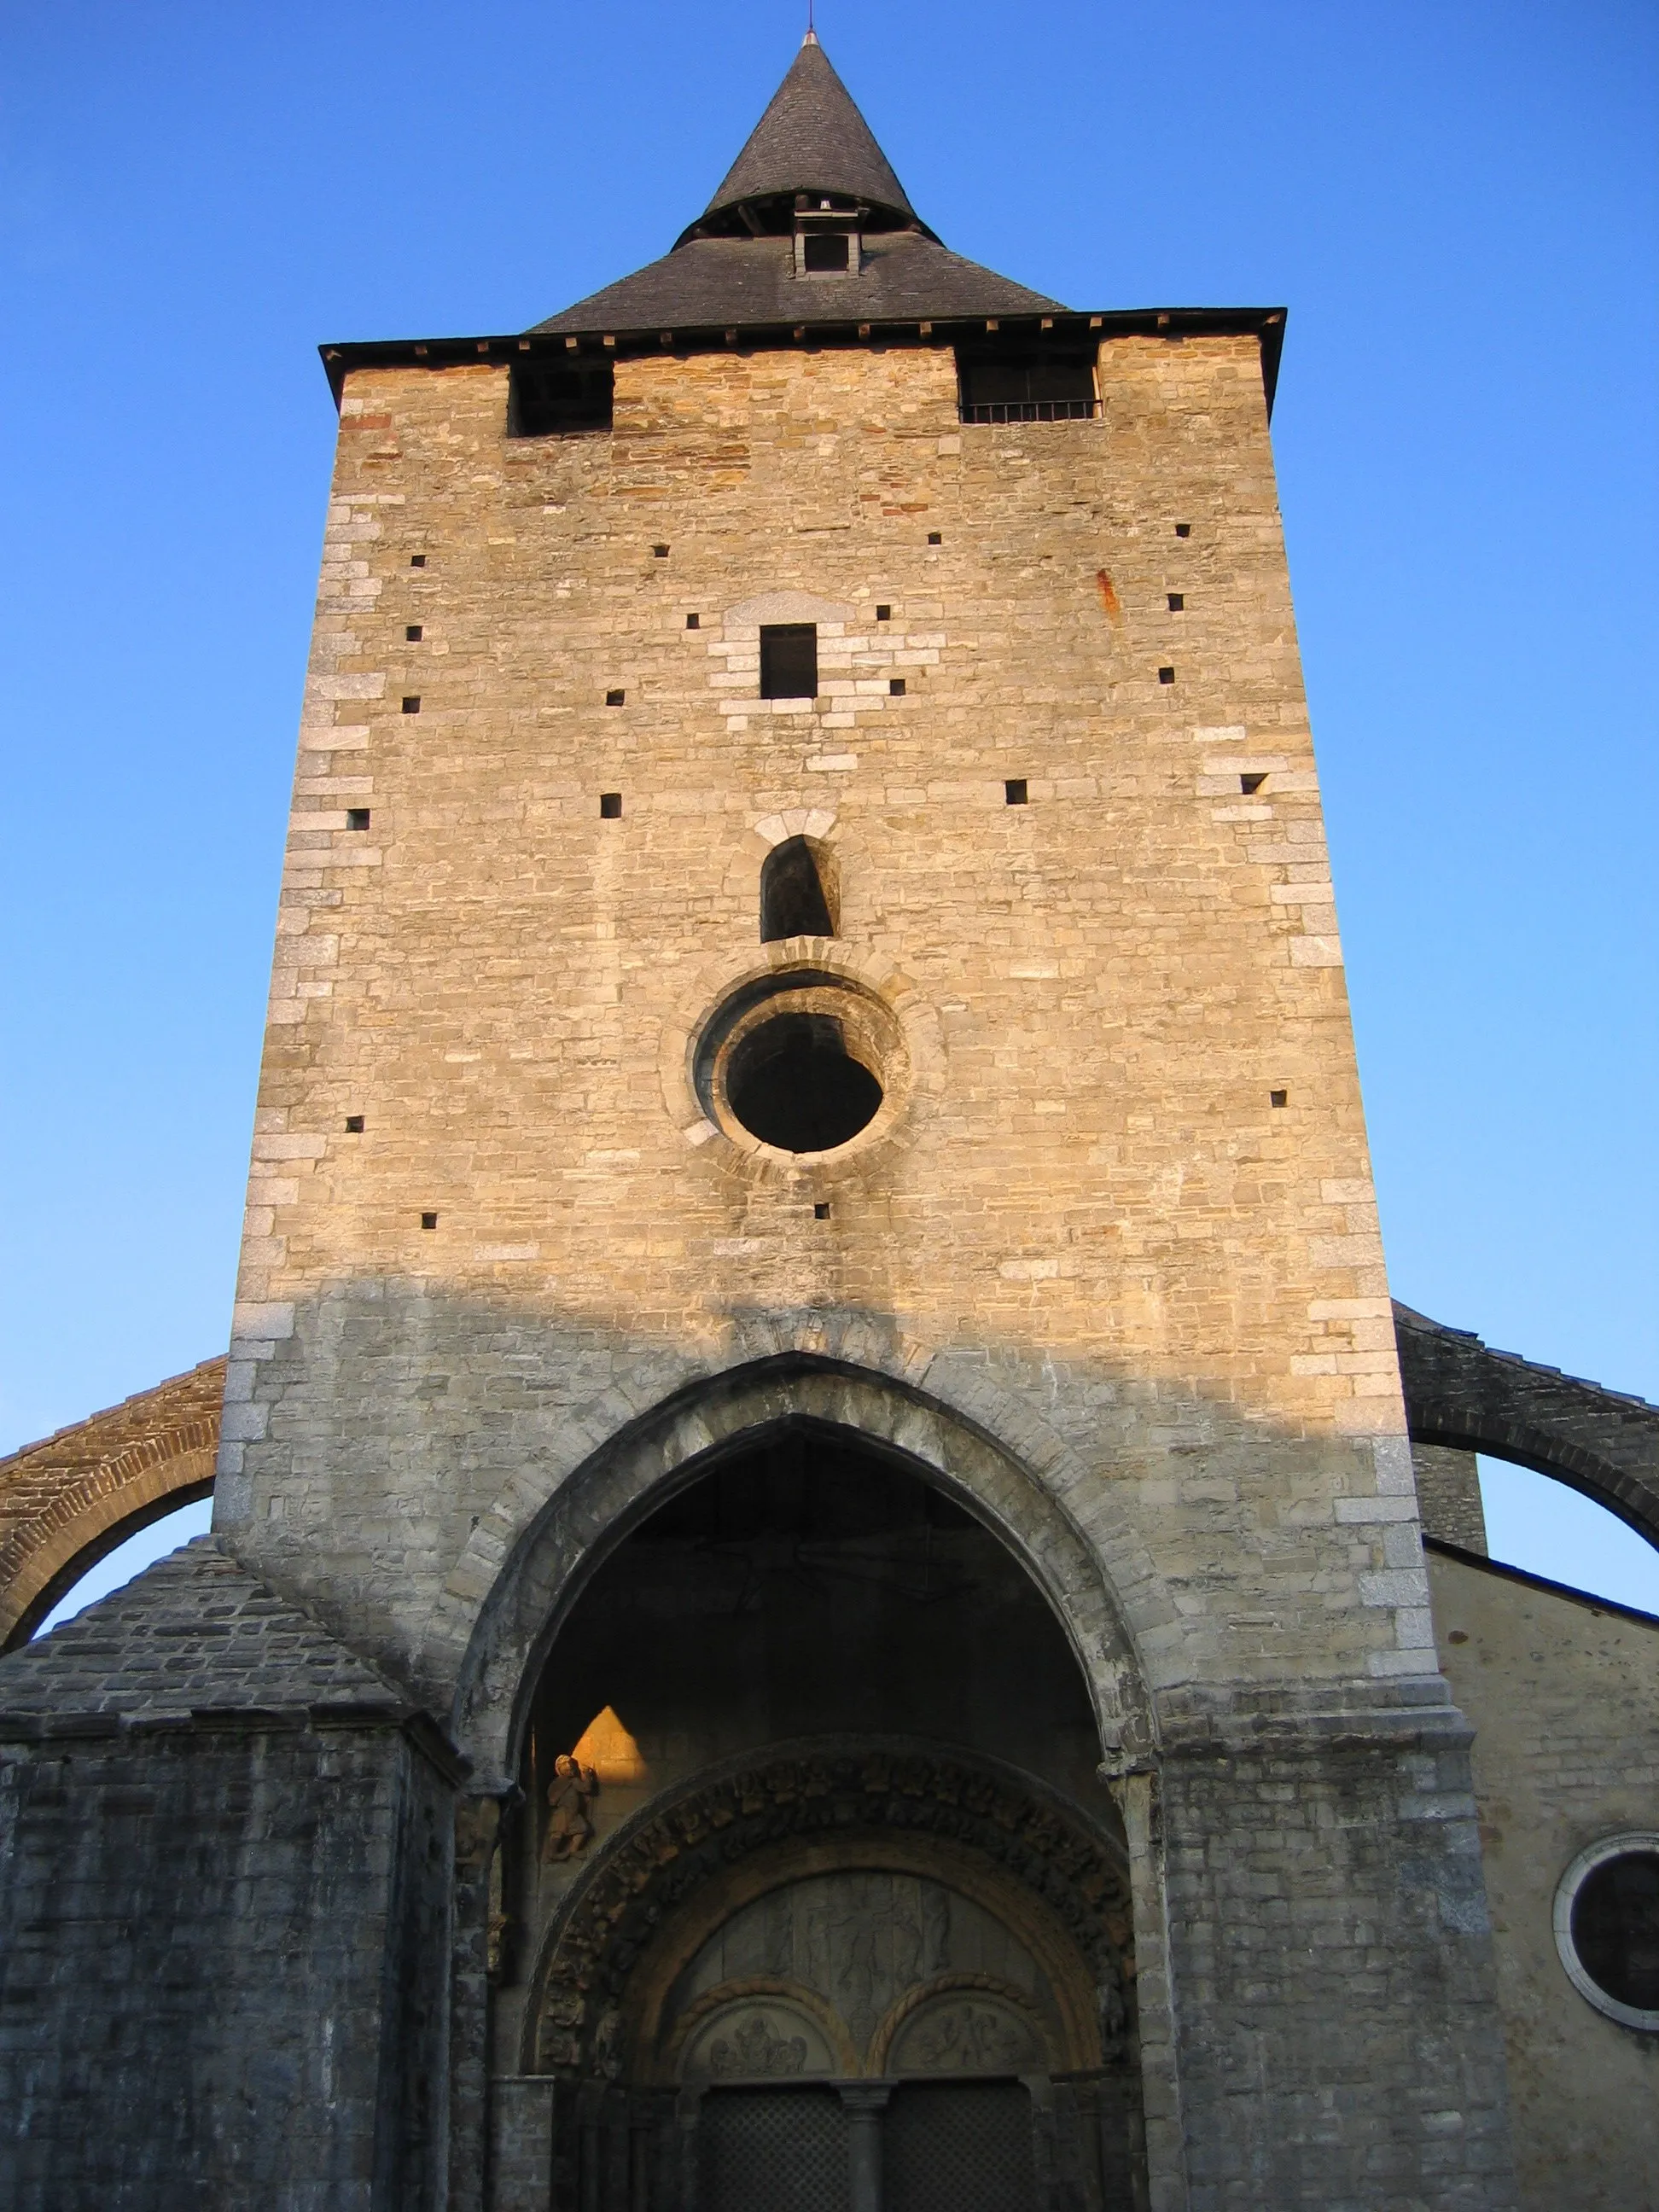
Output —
(853, 1944)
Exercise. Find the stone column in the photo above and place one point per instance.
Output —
(865, 2102)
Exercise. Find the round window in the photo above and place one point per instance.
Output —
(801, 1062)
(1607, 1928)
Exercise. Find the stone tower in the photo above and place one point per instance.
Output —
(811, 1314)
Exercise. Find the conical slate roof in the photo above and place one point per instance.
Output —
(811, 139)
(736, 264)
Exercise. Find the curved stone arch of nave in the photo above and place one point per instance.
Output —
(572, 1520)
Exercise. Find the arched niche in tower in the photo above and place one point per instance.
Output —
(799, 891)
(812, 1849)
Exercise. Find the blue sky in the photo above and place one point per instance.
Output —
(1457, 203)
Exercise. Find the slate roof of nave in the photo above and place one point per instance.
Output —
(195, 1634)
(810, 140)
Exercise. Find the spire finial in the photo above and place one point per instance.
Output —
(812, 37)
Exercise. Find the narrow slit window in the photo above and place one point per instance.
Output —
(795, 896)
(789, 660)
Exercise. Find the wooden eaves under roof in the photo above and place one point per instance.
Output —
(1063, 328)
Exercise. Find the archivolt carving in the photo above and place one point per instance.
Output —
(684, 1867)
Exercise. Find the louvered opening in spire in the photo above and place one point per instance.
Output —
(811, 155)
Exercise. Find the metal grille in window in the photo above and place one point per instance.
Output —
(773, 2150)
(1007, 386)
(958, 2146)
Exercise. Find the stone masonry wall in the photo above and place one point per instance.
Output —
(1563, 1697)
(1088, 1199)
(1333, 1958)
(222, 1969)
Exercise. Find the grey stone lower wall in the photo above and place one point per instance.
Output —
(1339, 2038)
(223, 1961)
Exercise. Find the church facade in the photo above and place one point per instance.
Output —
(819, 1592)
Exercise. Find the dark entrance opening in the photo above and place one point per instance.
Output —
(794, 1084)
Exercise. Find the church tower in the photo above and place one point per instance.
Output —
(811, 1313)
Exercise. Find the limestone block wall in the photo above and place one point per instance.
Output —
(1563, 1696)
(1088, 1200)
(223, 1964)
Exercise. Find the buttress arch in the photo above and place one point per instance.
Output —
(604, 1498)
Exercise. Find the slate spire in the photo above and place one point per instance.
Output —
(812, 139)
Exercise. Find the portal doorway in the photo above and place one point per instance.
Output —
(816, 1899)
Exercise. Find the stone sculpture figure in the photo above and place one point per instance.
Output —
(569, 1796)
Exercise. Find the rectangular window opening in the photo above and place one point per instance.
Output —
(615, 698)
(418, 560)
(821, 1211)
(1183, 530)
(884, 614)
(429, 1221)
(1249, 785)
(353, 1125)
(552, 399)
(1278, 1097)
(1011, 383)
(789, 660)
(411, 702)
(896, 687)
(357, 817)
(826, 252)
(1014, 791)
(611, 806)
(1178, 601)
(1166, 676)
(413, 633)
(694, 622)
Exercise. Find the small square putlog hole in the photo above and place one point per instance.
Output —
(615, 698)
(789, 660)
(1249, 785)
(1183, 530)
(418, 560)
(1178, 601)
(1278, 1097)
(1166, 676)
(659, 552)
(884, 614)
(412, 703)
(694, 622)
(896, 687)
(413, 633)
(357, 817)
(936, 537)
(353, 1125)
(429, 1221)
(1014, 791)
(611, 806)
(821, 1211)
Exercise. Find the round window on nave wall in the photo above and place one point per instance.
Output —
(1607, 1928)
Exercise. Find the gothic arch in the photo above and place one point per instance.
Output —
(579, 1521)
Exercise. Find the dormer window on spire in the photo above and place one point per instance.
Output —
(829, 235)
